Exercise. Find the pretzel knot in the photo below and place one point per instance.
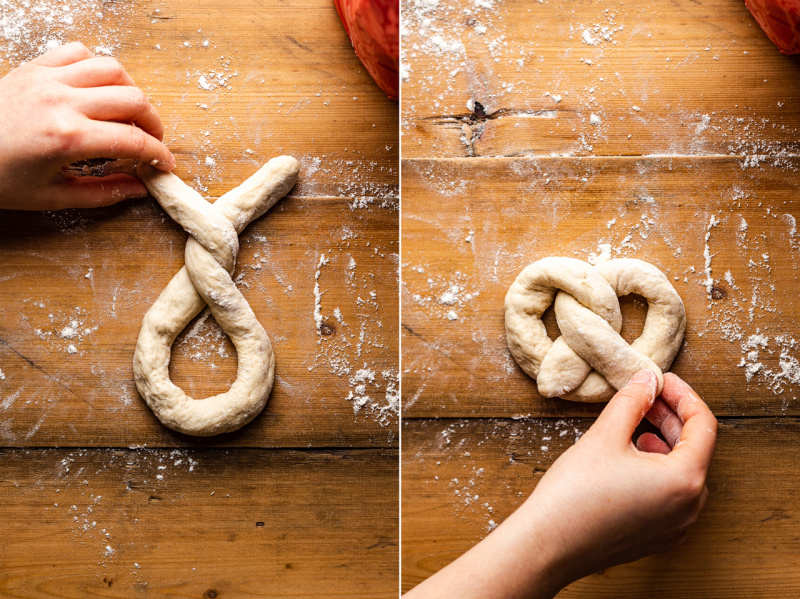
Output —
(591, 360)
(206, 280)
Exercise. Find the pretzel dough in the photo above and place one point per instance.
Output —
(206, 279)
(591, 360)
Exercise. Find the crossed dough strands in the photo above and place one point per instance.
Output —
(588, 315)
(206, 279)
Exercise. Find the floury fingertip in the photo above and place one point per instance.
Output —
(643, 377)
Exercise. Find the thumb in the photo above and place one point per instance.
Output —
(627, 408)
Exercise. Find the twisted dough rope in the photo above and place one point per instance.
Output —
(588, 315)
(206, 279)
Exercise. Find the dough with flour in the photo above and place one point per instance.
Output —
(590, 361)
(206, 280)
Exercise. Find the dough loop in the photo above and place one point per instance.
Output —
(206, 280)
(591, 360)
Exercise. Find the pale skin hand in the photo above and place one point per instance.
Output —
(604, 502)
(69, 105)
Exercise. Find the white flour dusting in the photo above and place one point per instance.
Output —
(353, 334)
(500, 55)
(63, 330)
(722, 257)
(88, 486)
(444, 296)
(32, 27)
(708, 283)
(468, 448)
(208, 74)
(318, 295)
(365, 393)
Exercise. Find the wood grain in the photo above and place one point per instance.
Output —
(680, 78)
(461, 475)
(53, 397)
(657, 209)
(533, 129)
(283, 79)
(295, 510)
(198, 523)
(281, 84)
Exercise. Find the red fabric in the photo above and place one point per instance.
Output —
(374, 30)
(780, 20)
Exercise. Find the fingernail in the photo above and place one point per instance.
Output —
(643, 377)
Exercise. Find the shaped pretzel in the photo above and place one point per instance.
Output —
(591, 360)
(206, 280)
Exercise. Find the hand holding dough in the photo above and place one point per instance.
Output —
(206, 279)
(588, 315)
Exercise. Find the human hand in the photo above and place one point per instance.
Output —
(602, 503)
(65, 106)
(606, 501)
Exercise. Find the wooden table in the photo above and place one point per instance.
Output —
(96, 496)
(667, 132)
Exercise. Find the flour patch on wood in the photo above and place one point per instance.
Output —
(459, 449)
(31, 28)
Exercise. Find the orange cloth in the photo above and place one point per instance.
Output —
(780, 20)
(374, 30)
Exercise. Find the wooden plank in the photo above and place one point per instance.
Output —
(198, 523)
(282, 78)
(515, 211)
(235, 84)
(51, 397)
(459, 476)
(679, 78)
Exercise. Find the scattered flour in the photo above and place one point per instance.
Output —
(31, 27)
(449, 49)
(318, 294)
(457, 456)
(385, 410)
(355, 332)
(769, 356)
(708, 283)
(602, 255)
(445, 296)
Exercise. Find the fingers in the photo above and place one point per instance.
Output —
(124, 104)
(63, 55)
(662, 416)
(699, 435)
(94, 192)
(94, 72)
(106, 92)
(627, 408)
(650, 443)
(679, 396)
(115, 140)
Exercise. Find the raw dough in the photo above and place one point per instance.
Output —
(588, 315)
(206, 279)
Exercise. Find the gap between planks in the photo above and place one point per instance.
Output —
(527, 156)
